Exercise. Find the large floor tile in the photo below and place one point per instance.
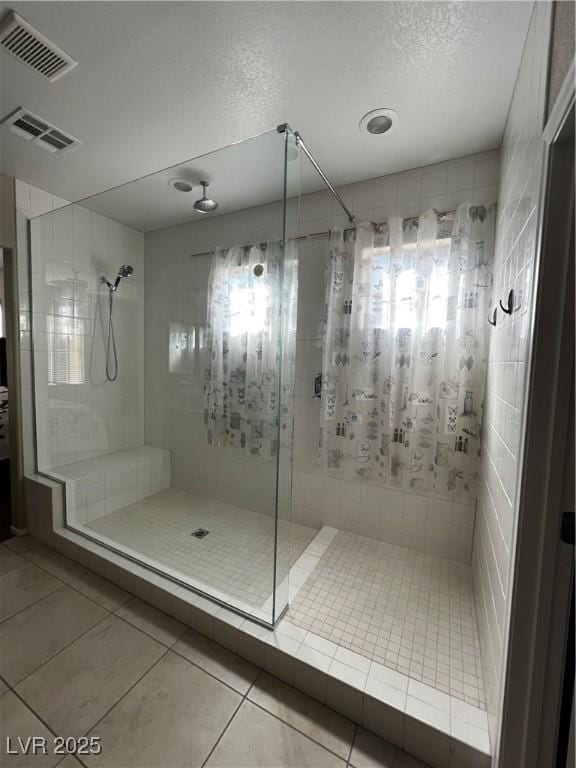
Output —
(226, 666)
(312, 718)
(53, 562)
(16, 720)
(172, 717)
(159, 625)
(19, 544)
(77, 687)
(371, 751)
(23, 587)
(9, 560)
(33, 636)
(100, 590)
(256, 739)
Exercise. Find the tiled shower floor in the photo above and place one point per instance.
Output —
(235, 559)
(407, 610)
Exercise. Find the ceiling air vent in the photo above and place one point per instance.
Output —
(33, 49)
(38, 131)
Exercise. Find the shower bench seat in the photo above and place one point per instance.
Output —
(101, 485)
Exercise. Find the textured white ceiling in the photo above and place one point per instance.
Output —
(160, 82)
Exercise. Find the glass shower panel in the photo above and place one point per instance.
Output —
(291, 540)
(163, 358)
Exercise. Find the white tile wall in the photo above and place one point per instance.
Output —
(176, 303)
(72, 248)
(30, 201)
(437, 526)
(516, 243)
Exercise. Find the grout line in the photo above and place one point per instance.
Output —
(185, 627)
(79, 591)
(36, 715)
(211, 674)
(134, 684)
(352, 743)
(64, 648)
(32, 604)
(303, 733)
(219, 739)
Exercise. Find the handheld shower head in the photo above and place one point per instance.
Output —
(125, 271)
(111, 353)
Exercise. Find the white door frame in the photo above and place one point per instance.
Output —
(543, 565)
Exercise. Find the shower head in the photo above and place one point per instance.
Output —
(125, 271)
(205, 205)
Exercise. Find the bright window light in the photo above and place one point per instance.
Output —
(249, 309)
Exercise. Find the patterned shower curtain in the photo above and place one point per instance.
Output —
(252, 301)
(405, 350)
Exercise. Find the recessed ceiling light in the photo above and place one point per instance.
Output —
(180, 185)
(378, 121)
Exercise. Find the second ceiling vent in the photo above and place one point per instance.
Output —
(21, 40)
(33, 128)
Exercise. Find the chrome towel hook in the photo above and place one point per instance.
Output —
(510, 308)
(493, 320)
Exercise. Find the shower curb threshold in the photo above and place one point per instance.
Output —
(438, 729)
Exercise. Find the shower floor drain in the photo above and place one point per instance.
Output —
(199, 533)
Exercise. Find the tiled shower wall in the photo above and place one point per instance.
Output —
(176, 309)
(84, 415)
(516, 243)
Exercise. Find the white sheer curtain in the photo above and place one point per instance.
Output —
(252, 300)
(404, 352)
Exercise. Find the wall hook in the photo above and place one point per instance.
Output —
(493, 320)
(510, 308)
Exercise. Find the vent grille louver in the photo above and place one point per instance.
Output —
(32, 128)
(21, 40)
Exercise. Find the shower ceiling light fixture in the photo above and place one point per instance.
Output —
(378, 121)
(205, 205)
(180, 185)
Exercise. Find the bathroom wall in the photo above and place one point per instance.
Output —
(175, 359)
(79, 414)
(516, 244)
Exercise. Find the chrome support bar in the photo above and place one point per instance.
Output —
(300, 142)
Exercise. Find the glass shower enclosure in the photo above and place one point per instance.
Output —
(164, 333)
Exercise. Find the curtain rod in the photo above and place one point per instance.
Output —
(321, 235)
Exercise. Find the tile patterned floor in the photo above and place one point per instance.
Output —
(237, 556)
(155, 692)
(410, 611)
